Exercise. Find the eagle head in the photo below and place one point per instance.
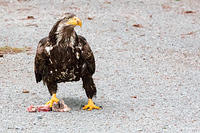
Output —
(70, 20)
(64, 27)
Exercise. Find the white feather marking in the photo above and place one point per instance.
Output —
(48, 49)
(50, 61)
(77, 55)
(80, 47)
(72, 42)
(63, 73)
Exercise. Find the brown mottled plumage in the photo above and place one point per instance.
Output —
(64, 56)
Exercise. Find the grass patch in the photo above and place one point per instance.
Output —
(13, 50)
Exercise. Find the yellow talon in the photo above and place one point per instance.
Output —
(90, 105)
(53, 99)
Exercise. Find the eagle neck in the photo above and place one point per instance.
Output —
(66, 38)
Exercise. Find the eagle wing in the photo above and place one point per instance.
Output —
(40, 59)
(87, 56)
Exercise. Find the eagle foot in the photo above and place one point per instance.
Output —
(90, 106)
(53, 99)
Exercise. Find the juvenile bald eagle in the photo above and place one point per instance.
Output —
(64, 56)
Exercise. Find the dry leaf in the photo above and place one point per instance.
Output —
(107, 2)
(89, 18)
(25, 91)
(11, 50)
(190, 33)
(133, 96)
(187, 12)
(30, 17)
(28, 48)
(137, 25)
(166, 6)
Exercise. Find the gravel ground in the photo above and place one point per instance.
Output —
(148, 75)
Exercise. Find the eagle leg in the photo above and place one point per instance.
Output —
(90, 88)
(52, 87)
(90, 105)
(53, 99)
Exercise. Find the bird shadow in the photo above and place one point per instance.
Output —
(74, 103)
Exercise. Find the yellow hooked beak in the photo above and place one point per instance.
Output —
(75, 21)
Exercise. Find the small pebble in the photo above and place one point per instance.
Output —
(39, 117)
(19, 128)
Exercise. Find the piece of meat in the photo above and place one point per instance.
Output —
(57, 107)
(44, 108)
(32, 109)
(60, 107)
